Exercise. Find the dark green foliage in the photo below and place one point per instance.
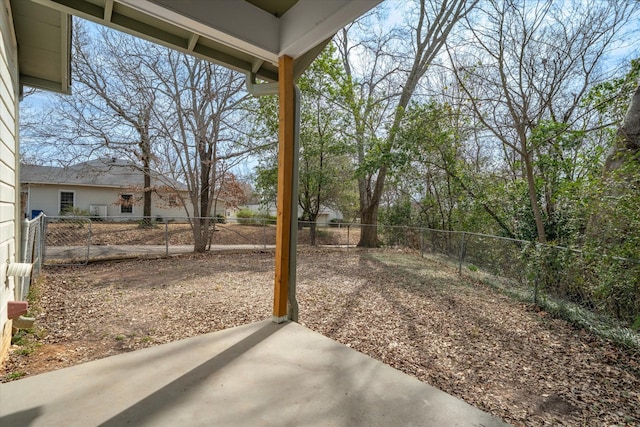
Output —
(335, 222)
(394, 220)
(148, 223)
(72, 211)
(247, 217)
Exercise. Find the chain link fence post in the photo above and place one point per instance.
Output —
(406, 237)
(89, 242)
(166, 236)
(264, 233)
(461, 258)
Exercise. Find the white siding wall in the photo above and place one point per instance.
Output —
(46, 198)
(9, 208)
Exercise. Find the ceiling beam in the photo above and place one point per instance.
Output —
(65, 53)
(192, 42)
(108, 10)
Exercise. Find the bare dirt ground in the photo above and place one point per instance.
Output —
(415, 314)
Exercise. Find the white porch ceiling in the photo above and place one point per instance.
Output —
(245, 35)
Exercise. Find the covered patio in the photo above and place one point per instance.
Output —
(271, 41)
(261, 374)
(274, 372)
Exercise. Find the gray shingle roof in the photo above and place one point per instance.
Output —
(104, 172)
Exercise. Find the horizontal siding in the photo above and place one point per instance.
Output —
(7, 133)
(5, 74)
(6, 211)
(7, 106)
(8, 164)
(7, 174)
(46, 198)
(7, 195)
(7, 122)
(7, 229)
(5, 95)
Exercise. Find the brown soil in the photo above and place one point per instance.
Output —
(413, 313)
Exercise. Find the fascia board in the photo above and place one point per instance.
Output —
(310, 22)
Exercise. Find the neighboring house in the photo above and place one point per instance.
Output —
(327, 214)
(253, 204)
(324, 216)
(109, 188)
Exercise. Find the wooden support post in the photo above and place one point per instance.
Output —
(286, 152)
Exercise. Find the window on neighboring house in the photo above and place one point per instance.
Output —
(67, 201)
(173, 200)
(126, 203)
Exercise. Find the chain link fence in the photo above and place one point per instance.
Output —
(553, 277)
(72, 240)
(572, 282)
(32, 253)
(539, 273)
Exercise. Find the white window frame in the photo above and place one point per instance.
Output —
(122, 196)
(73, 205)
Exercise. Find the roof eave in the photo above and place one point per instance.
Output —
(44, 40)
(238, 35)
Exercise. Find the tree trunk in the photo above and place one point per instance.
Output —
(369, 213)
(628, 142)
(313, 232)
(146, 210)
(430, 34)
(606, 226)
(369, 227)
(200, 236)
(533, 199)
(201, 218)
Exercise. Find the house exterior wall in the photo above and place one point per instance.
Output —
(46, 198)
(324, 217)
(9, 209)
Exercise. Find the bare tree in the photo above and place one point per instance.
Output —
(110, 111)
(203, 124)
(528, 65)
(181, 116)
(381, 96)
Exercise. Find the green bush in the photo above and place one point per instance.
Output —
(147, 223)
(72, 211)
(335, 222)
(219, 219)
(247, 217)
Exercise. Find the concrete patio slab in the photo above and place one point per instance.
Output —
(260, 374)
